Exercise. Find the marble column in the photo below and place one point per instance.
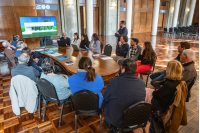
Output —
(191, 13)
(89, 18)
(176, 11)
(128, 16)
(155, 17)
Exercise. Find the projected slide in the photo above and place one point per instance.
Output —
(38, 26)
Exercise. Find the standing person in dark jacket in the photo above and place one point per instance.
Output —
(122, 92)
(66, 39)
(147, 58)
(122, 31)
(122, 48)
(164, 91)
(84, 41)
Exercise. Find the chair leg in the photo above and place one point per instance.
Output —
(39, 111)
(44, 111)
(100, 123)
(141, 76)
(61, 115)
(75, 123)
(143, 129)
(147, 80)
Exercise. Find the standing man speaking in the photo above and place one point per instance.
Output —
(122, 31)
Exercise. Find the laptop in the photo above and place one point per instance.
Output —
(75, 47)
(61, 43)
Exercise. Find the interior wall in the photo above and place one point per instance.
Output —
(10, 11)
(141, 17)
(162, 16)
(49, 12)
(196, 13)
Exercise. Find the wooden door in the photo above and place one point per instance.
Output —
(96, 20)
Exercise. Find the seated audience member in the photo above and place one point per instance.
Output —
(86, 79)
(122, 48)
(66, 39)
(122, 92)
(187, 60)
(60, 82)
(84, 41)
(134, 50)
(22, 68)
(147, 58)
(36, 58)
(158, 76)
(76, 40)
(31, 61)
(95, 44)
(15, 40)
(20, 46)
(164, 90)
(9, 52)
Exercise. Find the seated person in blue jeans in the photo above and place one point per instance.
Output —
(122, 92)
(60, 82)
(86, 79)
(160, 75)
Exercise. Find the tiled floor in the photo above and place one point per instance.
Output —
(166, 49)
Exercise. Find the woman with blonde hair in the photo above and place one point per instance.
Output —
(165, 89)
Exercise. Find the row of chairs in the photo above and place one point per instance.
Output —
(86, 103)
(182, 32)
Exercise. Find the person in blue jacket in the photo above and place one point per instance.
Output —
(122, 31)
(86, 79)
(31, 62)
(122, 48)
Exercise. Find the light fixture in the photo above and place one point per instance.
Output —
(187, 10)
(69, 2)
(172, 9)
(113, 4)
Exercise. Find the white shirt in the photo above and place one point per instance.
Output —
(76, 42)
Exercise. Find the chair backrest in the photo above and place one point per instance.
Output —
(101, 47)
(170, 29)
(194, 32)
(175, 29)
(108, 50)
(8, 60)
(49, 42)
(189, 88)
(47, 89)
(85, 100)
(165, 29)
(16, 60)
(178, 31)
(186, 31)
(137, 114)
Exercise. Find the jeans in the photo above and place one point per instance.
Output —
(157, 76)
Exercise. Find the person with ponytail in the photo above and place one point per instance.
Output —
(86, 79)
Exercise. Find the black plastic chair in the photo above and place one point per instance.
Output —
(135, 116)
(175, 29)
(159, 113)
(147, 73)
(178, 33)
(108, 50)
(16, 60)
(171, 31)
(101, 47)
(165, 30)
(86, 103)
(189, 88)
(186, 32)
(49, 42)
(8, 60)
(194, 33)
(48, 93)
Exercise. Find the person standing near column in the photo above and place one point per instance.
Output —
(122, 31)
